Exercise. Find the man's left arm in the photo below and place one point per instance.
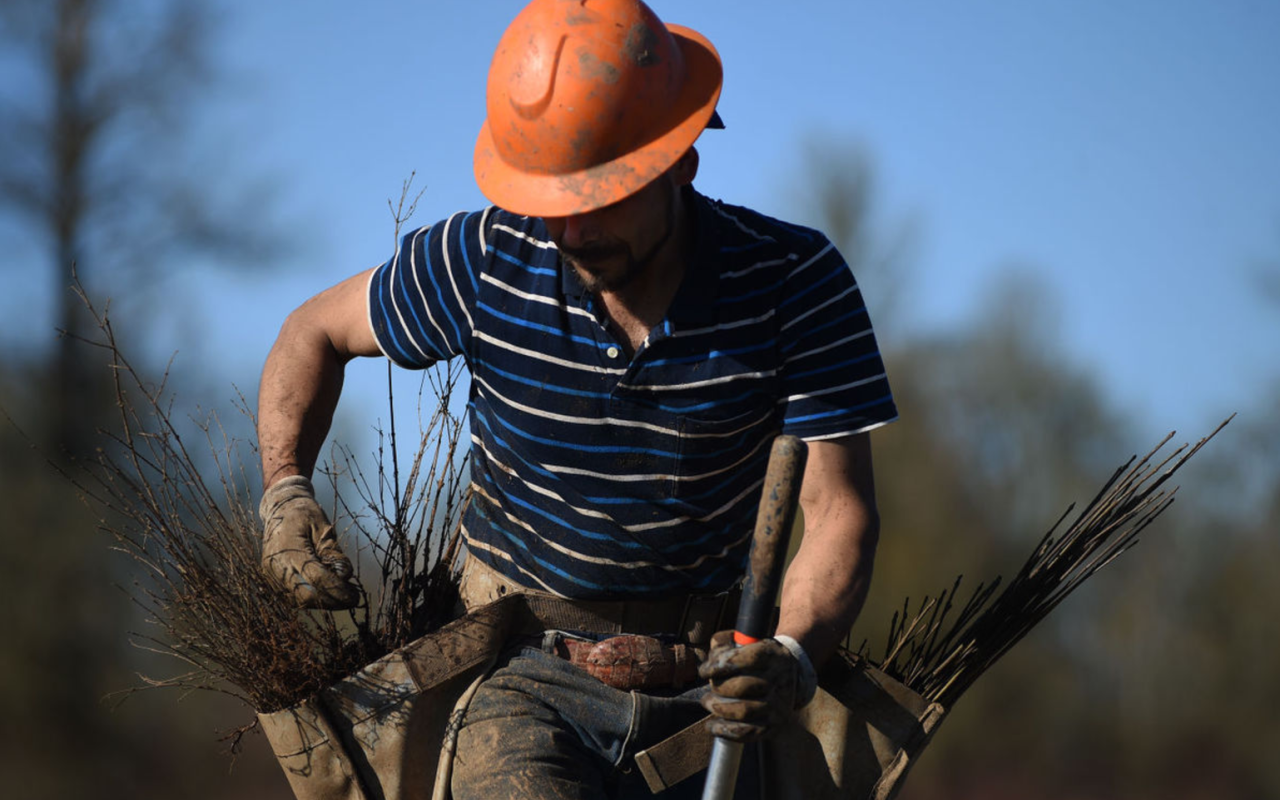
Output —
(827, 581)
(756, 687)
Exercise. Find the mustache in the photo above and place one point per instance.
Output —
(598, 251)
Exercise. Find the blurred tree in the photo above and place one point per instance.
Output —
(1008, 432)
(840, 197)
(94, 126)
(1197, 625)
(1156, 679)
(1037, 429)
(102, 174)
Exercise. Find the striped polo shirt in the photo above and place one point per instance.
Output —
(596, 476)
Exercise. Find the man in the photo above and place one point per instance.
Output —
(634, 348)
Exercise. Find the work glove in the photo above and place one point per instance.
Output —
(300, 549)
(755, 687)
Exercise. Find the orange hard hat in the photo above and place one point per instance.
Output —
(588, 101)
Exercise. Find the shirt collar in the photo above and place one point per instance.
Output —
(695, 302)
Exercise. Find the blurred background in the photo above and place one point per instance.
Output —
(1065, 217)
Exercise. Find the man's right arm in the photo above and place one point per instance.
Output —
(299, 391)
(302, 378)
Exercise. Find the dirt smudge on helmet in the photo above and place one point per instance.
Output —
(591, 66)
(642, 45)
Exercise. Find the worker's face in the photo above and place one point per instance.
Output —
(610, 246)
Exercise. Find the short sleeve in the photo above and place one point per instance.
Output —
(421, 301)
(833, 379)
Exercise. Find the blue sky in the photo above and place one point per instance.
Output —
(1124, 152)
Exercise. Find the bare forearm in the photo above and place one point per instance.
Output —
(301, 383)
(302, 378)
(826, 586)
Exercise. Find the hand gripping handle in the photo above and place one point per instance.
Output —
(774, 520)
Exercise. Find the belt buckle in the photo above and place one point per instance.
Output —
(630, 662)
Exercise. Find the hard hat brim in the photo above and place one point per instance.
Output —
(546, 195)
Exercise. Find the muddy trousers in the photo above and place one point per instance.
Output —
(543, 729)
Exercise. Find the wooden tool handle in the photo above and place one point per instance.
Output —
(777, 514)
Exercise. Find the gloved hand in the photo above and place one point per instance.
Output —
(755, 687)
(300, 548)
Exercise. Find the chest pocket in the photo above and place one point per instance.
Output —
(714, 450)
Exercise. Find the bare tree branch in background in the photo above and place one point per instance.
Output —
(108, 172)
(94, 128)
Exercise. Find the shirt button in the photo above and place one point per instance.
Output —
(612, 352)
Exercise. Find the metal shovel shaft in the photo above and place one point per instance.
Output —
(722, 774)
(774, 519)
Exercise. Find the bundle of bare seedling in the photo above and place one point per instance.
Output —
(184, 512)
(939, 655)
(891, 708)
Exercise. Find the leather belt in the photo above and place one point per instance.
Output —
(690, 619)
(633, 663)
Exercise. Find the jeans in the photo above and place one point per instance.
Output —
(540, 727)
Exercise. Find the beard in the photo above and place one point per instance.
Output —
(611, 264)
(604, 266)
